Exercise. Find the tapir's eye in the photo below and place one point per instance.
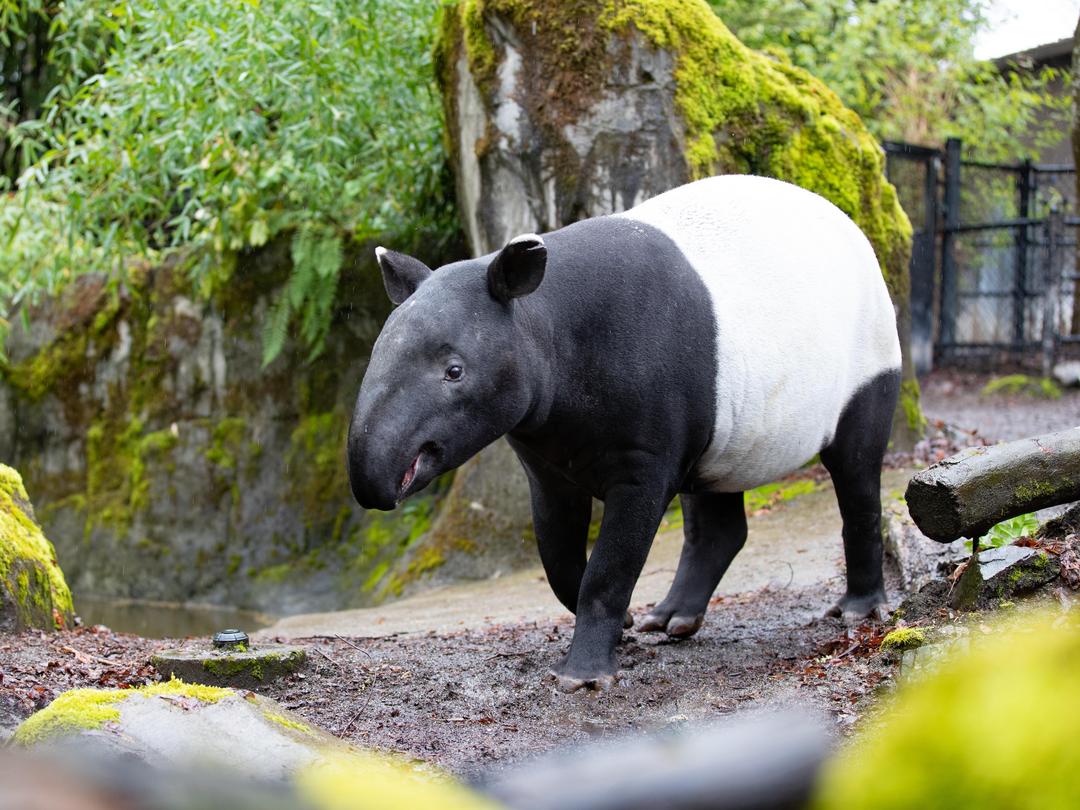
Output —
(454, 372)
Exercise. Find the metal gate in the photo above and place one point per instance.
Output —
(994, 275)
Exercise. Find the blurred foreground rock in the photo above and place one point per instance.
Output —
(994, 726)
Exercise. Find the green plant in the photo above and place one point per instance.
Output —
(216, 126)
(1008, 531)
(907, 67)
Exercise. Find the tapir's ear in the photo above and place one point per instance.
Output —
(518, 269)
(400, 273)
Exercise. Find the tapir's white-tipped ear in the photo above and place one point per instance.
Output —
(518, 268)
(401, 274)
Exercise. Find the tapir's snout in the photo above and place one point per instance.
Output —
(371, 489)
(371, 477)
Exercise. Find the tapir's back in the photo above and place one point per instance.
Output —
(803, 318)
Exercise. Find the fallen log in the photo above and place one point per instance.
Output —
(967, 494)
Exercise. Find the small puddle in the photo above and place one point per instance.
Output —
(166, 619)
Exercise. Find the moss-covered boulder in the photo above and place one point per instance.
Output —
(992, 728)
(231, 742)
(33, 592)
(560, 111)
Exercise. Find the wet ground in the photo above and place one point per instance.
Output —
(457, 676)
(957, 398)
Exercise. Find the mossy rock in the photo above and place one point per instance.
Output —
(250, 668)
(557, 111)
(235, 743)
(33, 592)
(995, 727)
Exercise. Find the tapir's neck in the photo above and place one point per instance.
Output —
(533, 317)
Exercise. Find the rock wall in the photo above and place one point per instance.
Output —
(169, 464)
(561, 111)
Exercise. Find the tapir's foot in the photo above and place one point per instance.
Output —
(570, 678)
(628, 621)
(671, 621)
(852, 610)
(571, 683)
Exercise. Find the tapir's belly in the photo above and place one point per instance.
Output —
(803, 318)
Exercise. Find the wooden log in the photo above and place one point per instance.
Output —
(966, 494)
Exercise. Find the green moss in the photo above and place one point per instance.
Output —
(909, 402)
(903, 638)
(317, 446)
(770, 495)
(176, 687)
(30, 576)
(117, 459)
(72, 711)
(226, 442)
(287, 722)
(992, 728)
(257, 666)
(83, 709)
(1016, 384)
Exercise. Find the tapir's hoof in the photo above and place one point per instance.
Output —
(628, 621)
(568, 683)
(675, 626)
(853, 610)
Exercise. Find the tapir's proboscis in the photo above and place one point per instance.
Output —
(710, 340)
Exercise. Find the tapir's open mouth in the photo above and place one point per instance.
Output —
(410, 476)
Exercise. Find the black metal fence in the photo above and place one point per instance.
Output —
(994, 275)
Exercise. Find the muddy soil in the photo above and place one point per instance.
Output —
(474, 700)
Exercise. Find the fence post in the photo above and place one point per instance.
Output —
(948, 242)
(1020, 285)
(1055, 230)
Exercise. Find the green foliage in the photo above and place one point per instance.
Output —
(1008, 531)
(215, 126)
(908, 69)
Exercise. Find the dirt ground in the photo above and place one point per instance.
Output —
(475, 699)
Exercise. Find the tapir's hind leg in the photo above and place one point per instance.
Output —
(853, 459)
(714, 529)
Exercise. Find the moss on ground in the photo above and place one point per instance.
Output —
(1016, 384)
(903, 638)
(993, 728)
(287, 722)
(30, 576)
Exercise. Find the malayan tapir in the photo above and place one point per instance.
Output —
(709, 340)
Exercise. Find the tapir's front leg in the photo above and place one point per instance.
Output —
(632, 514)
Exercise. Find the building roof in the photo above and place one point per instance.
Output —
(1051, 54)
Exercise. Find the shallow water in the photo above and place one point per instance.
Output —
(166, 619)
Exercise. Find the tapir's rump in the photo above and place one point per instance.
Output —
(803, 318)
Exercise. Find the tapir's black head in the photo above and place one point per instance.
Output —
(449, 373)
